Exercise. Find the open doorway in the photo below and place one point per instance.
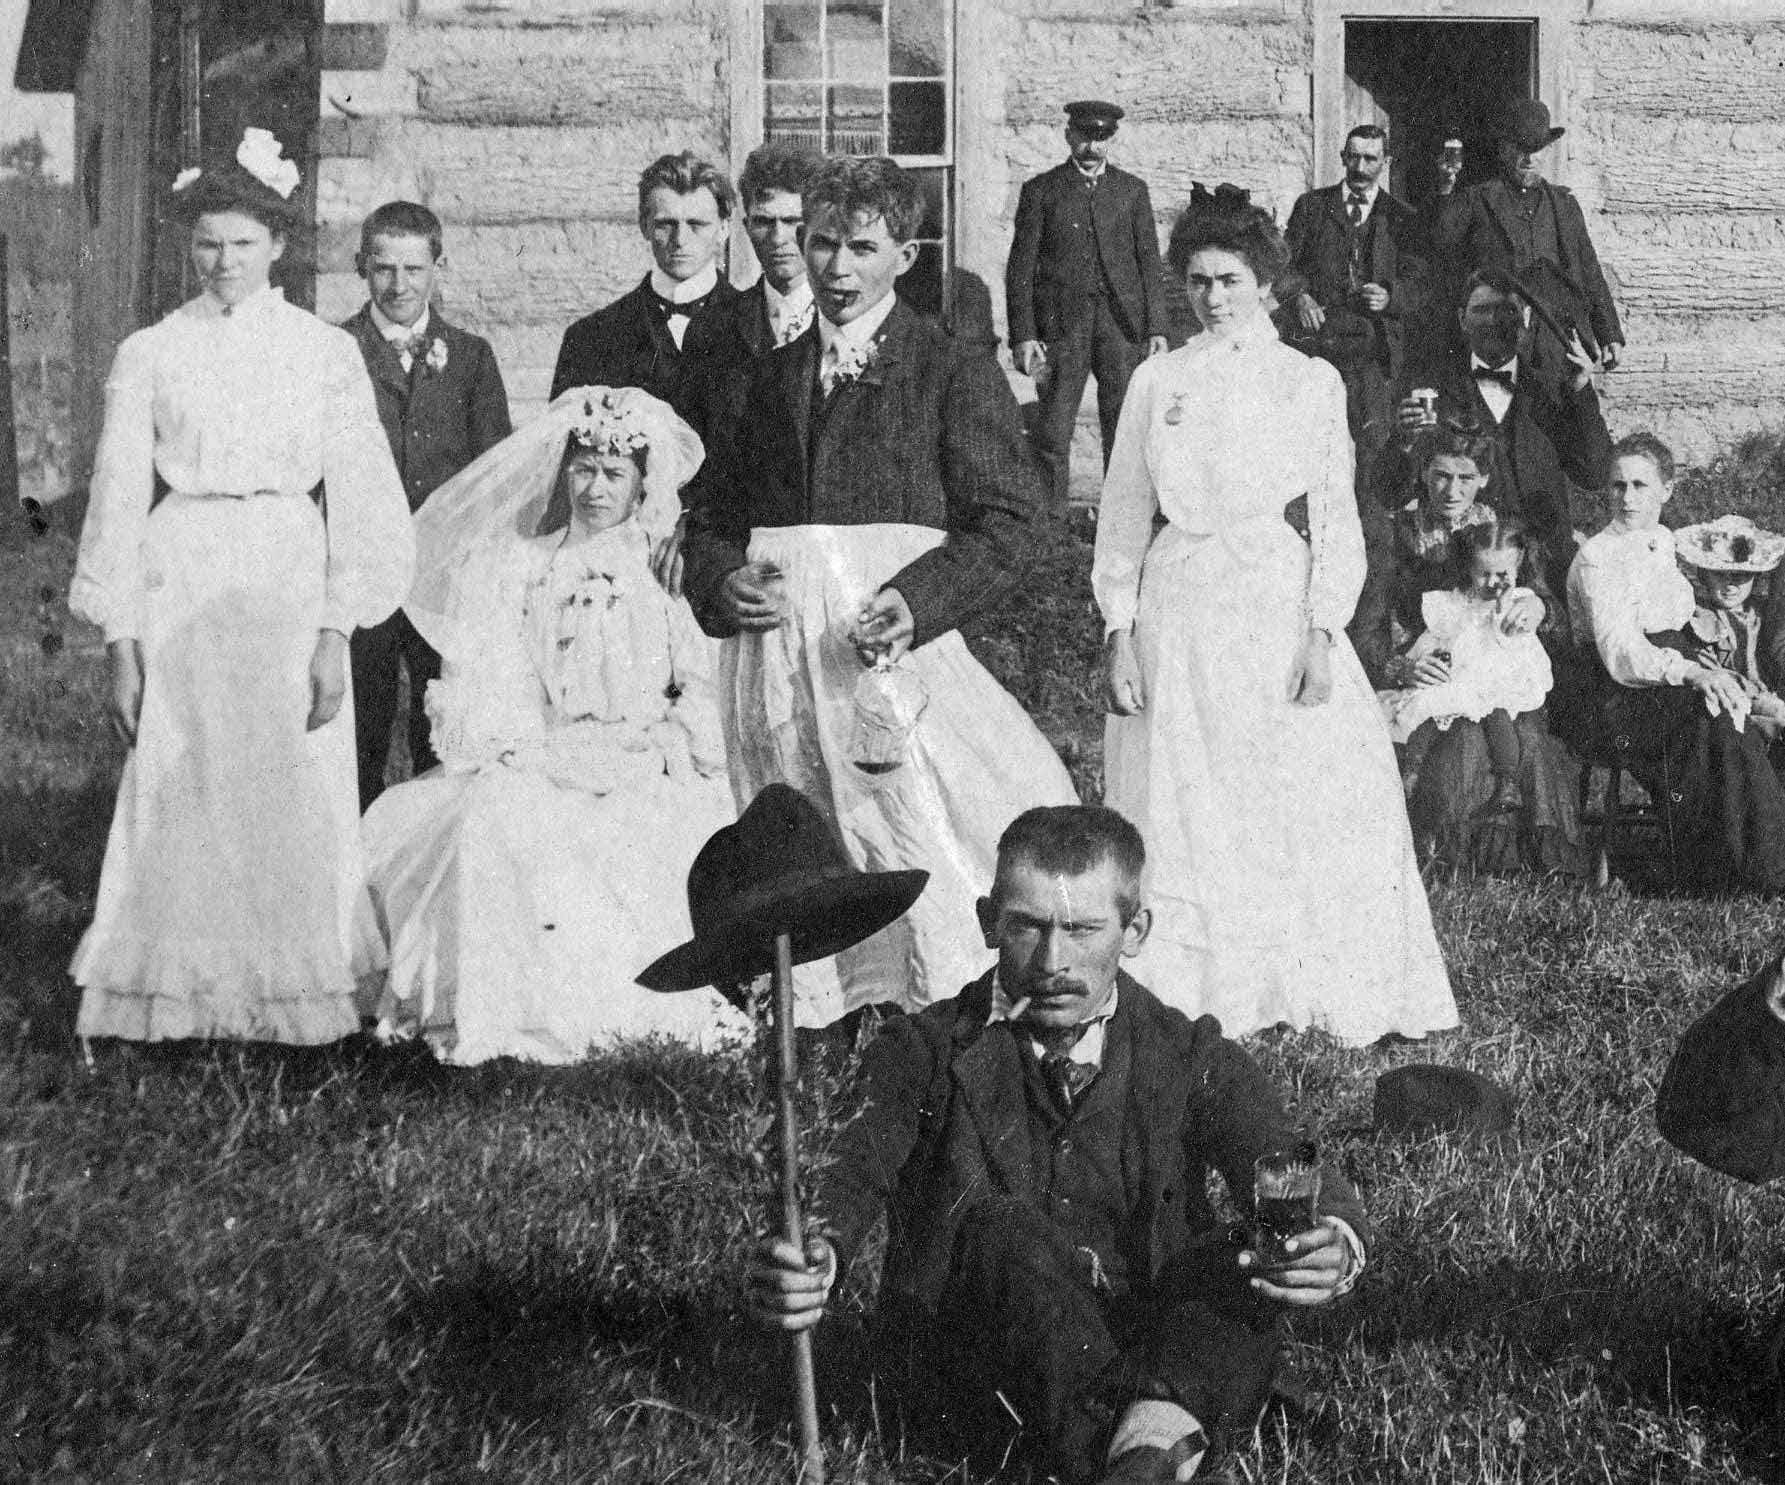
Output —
(1426, 81)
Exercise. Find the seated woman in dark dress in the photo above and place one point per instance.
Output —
(1494, 791)
(1679, 725)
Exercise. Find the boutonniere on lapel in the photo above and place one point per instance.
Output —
(850, 362)
(435, 360)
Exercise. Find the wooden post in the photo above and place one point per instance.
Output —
(10, 491)
(805, 1384)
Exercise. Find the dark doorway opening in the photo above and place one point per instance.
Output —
(1429, 81)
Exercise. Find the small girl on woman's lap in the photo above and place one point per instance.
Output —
(1465, 664)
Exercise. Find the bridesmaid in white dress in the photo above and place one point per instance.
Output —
(231, 883)
(1245, 741)
(523, 884)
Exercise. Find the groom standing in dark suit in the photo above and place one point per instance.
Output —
(1084, 286)
(658, 335)
(442, 403)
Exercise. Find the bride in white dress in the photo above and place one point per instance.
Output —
(1245, 741)
(522, 885)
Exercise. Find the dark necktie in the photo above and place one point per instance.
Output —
(1066, 1079)
(1504, 376)
(1356, 208)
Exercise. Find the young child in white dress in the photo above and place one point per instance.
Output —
(1464, 664)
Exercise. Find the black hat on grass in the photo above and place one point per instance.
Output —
(779, 867)
(1423, 1098)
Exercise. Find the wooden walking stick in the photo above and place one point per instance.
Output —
(793, 1227)
(781, 877)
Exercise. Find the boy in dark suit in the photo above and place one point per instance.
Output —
(871, 492)
(1358, 282)
(658, 335)
(1041, 1146)
(442, 403)
(1084, 286)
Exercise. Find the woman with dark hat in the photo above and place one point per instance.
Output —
(1245, 741)
(232, 878)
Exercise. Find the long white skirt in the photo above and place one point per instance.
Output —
(518, 911)
(1280, 866)
(227, 903)
(976, 761)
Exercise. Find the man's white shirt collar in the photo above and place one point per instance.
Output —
(795, 307)
(701, 284)
(393, 332)
(1088, 1049)
(860, 331)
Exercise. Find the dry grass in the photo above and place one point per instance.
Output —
(222, 1263)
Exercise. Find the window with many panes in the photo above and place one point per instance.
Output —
(871, 77)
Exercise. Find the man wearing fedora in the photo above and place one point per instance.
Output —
(1084, 286)
(1041, 1146)
(1531, 227)
(1358, 281)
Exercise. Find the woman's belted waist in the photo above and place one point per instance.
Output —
(173, 494)
(1250, 540)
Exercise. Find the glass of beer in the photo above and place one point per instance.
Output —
(1285, 1199)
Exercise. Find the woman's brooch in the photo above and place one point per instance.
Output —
(1174, 412)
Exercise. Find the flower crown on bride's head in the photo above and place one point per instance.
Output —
(610, 425)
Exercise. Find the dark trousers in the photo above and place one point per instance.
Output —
(1094, 345)
(379, 655)
(1023, 1342)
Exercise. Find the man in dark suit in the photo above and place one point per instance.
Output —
(1546, 431)
(873, 492)
(442, 403)
(658, 334)
(1084, 287)
(1357, 280)
(1535, 229)
(1041, 1146)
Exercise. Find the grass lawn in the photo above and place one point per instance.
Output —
(252, 1264)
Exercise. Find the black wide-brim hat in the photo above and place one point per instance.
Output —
(780, 867)
(1424, 1097)
(1526, 123)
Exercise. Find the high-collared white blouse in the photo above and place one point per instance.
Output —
(1221, 435)
(264, 399)
(1623, 587)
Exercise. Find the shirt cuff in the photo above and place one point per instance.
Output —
(1354, 1250)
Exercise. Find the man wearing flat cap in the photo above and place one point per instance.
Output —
(1531, 227)
(1084, 287)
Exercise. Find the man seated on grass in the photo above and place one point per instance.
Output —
(1041, 1145)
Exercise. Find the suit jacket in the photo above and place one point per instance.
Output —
(628, 344)
(1050, 278)
(437, 421)
(945, 1122)
(1319, 236)
(928, 435)
(1476, 229)
(1551, 434)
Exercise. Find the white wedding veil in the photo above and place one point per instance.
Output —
(465, 526)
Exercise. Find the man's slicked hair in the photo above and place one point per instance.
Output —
(1369, 131)
(870, 186)
(402, 219)
(685, 174)
(776, 167)
(1072, 839)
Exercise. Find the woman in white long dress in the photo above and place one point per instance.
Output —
(1245, 741)
(229, 894)
(522, 886)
